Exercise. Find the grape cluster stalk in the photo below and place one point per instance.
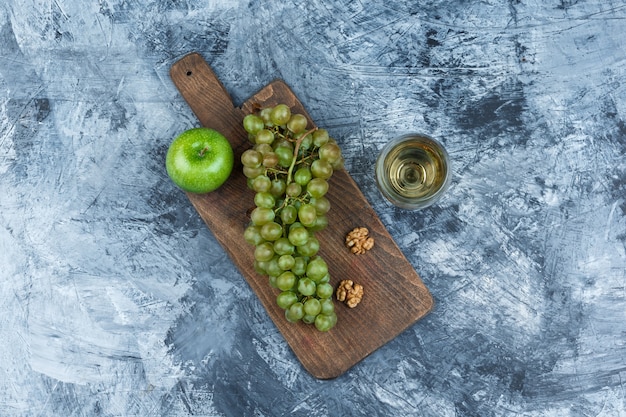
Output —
(288, 168)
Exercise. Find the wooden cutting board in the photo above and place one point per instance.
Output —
(395, 296)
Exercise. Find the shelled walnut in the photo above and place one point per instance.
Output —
(359, 241)
(349, 292)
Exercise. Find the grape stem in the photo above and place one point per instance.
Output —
(295, 153)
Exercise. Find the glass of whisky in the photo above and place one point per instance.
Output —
(413, 171)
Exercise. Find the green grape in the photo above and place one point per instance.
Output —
(270, 160)
(316, 268)
(308, 319)
(310, 248)
(317, 187)
(325, 279)
(297, 123)
(320, 223)
(259, 267)
(285, 155)
(328, 306)
(320, 137)
(265, 136)
(330, 152)
(325, 322)
(307, 215)
(272, 281)
(306, 286)
(295, 224)
(262, 215)
(250, 172)
(263, 148)
(299, 267)
(293, 189)
(264, 252)
(338, 164)
(282, 246)
(288, 168)
(322, 205)
(286, 298)
(324, 290)
(264, 199)
(286, 280)
(286, 262)
(251, 158)
(278, 187)
(289, 214)
(320, 168)
(302, 176)
(271, 231)
(312, 307)
(272, 268)
(265, 115)
(298, 236)
(261, 184)
(252, 124)
(252, 235)
(333, 317)
(306, 141)
(295, 312)
(283, 143)
(280, 114)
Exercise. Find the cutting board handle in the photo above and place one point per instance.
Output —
(214, 107)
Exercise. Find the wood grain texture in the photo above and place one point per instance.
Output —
(395, 296)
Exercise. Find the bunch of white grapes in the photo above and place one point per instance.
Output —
(288, 168)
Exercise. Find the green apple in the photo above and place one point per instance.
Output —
(199, 160)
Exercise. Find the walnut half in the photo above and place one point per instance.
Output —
(359, 241)
(349, 292)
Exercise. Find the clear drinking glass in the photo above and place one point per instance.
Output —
(413, 171)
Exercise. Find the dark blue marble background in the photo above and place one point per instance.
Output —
(116, 300)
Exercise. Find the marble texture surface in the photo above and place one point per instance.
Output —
(116, 300)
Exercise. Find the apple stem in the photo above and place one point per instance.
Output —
(203, 151)
(295, 153)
